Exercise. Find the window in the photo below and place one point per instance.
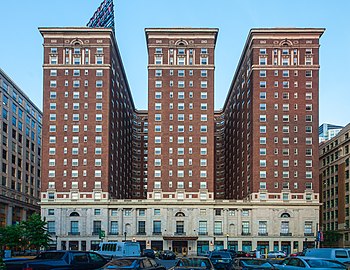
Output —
(218, 228)
(204, 95)
(262, 51)
(285, 227)
(245, 228)
(262, 84)
(204, 60)
(158, 60)
(180, 227)
(263, 61)
(202, 230)
(157, 228)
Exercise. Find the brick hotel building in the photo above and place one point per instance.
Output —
(181, 175)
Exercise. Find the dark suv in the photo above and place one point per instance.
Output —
(167, 255)
(221, 259)
(149, 253)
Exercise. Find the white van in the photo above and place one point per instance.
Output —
(338, 254)
(111, 250)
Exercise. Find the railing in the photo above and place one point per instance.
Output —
(218, 233)
(309, 234)
(263, 233)
(73, 233)
(157, 233)
(246, 233)
(179, 233)
(286, 234)
(202, 233)
(95, 232)
(141, 233)
(113, 233)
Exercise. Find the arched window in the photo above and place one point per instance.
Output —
(285, 215)
(74, 214)
(179, 214)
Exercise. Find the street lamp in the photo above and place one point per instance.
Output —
(227, 235)
(56, 242)
(305, 245)
(125, 233)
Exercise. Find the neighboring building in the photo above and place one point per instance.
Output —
(202, 179)
(21, 151)
(328, 131)
(335, 187)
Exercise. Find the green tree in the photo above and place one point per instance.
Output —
(35, 232)
(12, 236)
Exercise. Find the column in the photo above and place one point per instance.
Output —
(9, 215)
(134, 220)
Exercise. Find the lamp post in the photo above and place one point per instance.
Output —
(125, 233)
(305, 245)
(56, 242)
(227, 235)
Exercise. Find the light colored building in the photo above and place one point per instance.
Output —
(194, 226)
(328, 131)
(21, 153)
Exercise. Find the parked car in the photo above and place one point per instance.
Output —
(338, 254)
(232, 251)
(221, 259)
(137, 263)
(204, 253)
(167, 255)
(242, 254)
(193, 262)
(300, 253)
(64, 259)
(274, 254)
(149, 253)
(252, 263)
(111, 250)
(298, 263)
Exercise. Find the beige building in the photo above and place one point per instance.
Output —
(194, 226)
(21, 153)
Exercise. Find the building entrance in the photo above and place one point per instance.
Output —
(180, 247)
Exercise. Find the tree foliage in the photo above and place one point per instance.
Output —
(35, 232)
(11, 236)
(29, 234)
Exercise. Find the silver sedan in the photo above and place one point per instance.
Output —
(295, 263)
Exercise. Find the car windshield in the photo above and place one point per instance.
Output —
(324, 264)
(50, 255)
(194, 262)
(255, 262)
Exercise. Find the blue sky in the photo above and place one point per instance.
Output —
(21, 49)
